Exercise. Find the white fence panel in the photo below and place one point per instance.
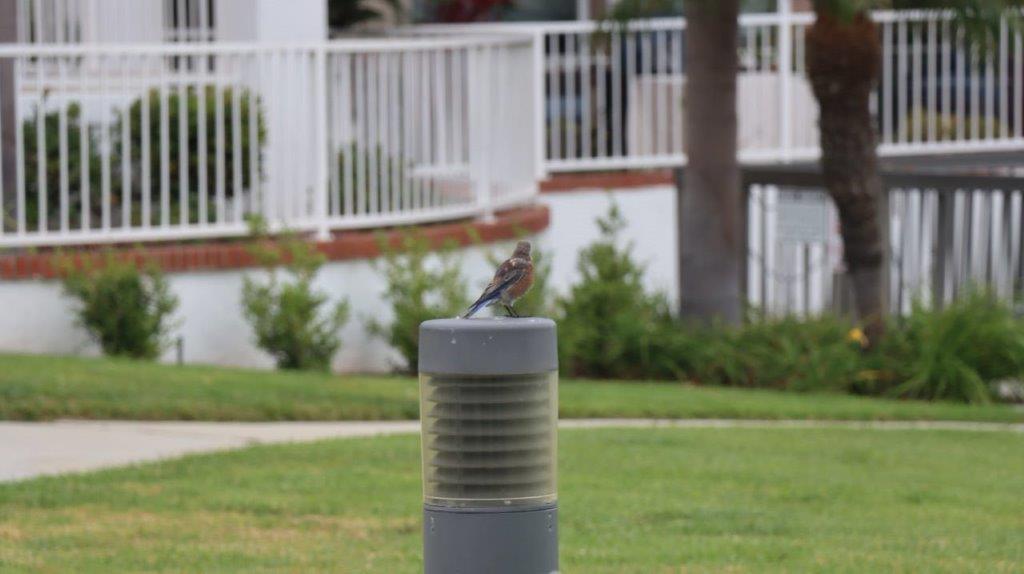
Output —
(942, 243)
(148, 142)
(614, 93)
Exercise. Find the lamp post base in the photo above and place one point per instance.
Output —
(490, 540)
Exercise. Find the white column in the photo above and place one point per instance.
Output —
(323, 151)
(583, 10)
(293, 156)
(537, 75)
(480, 111)
(785, 78)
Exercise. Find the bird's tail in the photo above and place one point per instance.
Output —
(475, 307)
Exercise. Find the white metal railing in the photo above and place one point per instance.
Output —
(613, 95)
(177, 141)
(942, 243)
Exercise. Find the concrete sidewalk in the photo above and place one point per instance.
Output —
(34, 449)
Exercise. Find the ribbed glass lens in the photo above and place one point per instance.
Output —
(489, 441)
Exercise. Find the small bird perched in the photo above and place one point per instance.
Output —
(511, 281)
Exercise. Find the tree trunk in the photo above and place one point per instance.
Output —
(8, 116)
(842, 64)
(711, 251)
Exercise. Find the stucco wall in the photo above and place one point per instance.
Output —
(35, 317)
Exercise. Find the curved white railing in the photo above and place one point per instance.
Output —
(310, 137)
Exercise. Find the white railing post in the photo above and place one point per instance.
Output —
(539, 109)
(785, 67)
(582, 10)
(322, 159)
(479, 113)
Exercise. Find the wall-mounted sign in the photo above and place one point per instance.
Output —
(802, 216)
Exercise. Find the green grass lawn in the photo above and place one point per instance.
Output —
(47, 387)
(675, 500)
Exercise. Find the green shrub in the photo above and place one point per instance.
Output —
(191, 106)
(52, 158)
(384, 176)
(289, 317)
(52, 170)
(126, 310)
(955, 353)
(815, 354)
(609, 326)
(422, 285)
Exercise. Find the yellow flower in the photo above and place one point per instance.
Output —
(868, 375)
(857, 336)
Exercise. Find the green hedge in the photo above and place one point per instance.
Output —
(194, 102)
(609, 327)
(385, 176)
(52, 169)
(95, 157)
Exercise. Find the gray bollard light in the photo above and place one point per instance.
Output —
(489, 415)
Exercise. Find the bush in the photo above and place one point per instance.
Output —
(418, 289)
(384, 176)
(815, 354)
(125, 310)
(52, 158)
(52, 169)
(289, 317)
(956, 353)
(609, 326)
(191, 106)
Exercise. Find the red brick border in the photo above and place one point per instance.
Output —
(223, 255)
(564, 182)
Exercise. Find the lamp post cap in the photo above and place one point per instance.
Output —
(495, 346)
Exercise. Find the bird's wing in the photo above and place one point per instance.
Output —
(507, 274)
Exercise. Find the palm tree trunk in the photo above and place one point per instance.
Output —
(711, 253)
(842, 64)
(8, 116)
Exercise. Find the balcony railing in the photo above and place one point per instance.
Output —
(157, 141)
(613, 94)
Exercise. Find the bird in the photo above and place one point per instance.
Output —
(511, 281)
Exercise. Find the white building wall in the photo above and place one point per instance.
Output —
(90, 21)
(270, 21)
(650, 214)
(235, 21)
(291, 21)
(144, 21)
(36, 318)
(130, 21)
